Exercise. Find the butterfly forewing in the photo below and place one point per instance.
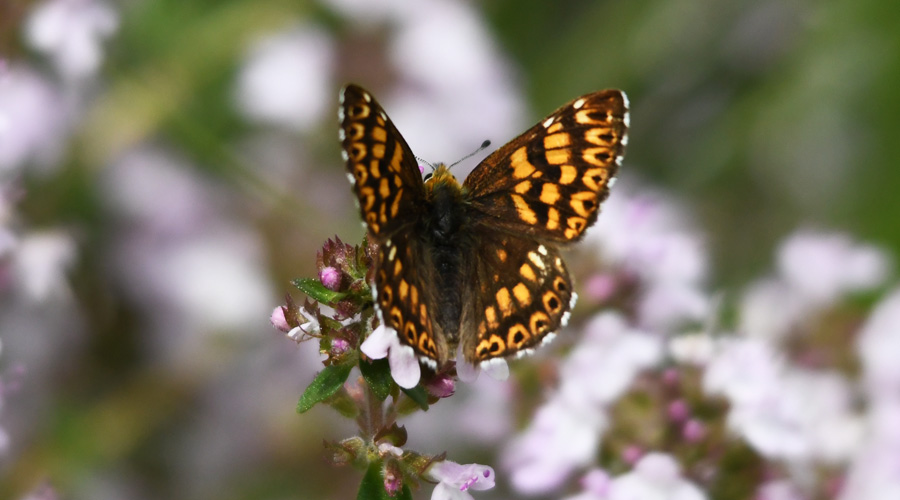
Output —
(386, 179)
(522, 294)
(549, 182)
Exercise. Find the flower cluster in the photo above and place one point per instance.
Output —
(659, 384)
(389, 384)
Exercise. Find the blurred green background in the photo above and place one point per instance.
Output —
(761, 116)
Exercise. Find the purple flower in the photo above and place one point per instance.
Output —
(632, 453)
(693, 430)
(442, 386)
(678, 410)
(383, 342)
(455, 480)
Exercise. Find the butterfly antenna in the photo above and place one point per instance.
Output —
(481, 148)
(421, 160)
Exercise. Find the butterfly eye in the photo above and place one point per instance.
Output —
(428, 176)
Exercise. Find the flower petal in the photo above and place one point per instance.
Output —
(404, 365)
(467, 372)
(378, 342)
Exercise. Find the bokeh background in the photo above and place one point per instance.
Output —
(168, 166)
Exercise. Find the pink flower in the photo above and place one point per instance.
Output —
(278, 320)
(383, 342)
(693, 430)
(330, 277)
(456, 480)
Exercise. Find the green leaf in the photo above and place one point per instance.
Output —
(317, 291)
(372, 486)
(326, 383)
(378, 376)
(418, 395)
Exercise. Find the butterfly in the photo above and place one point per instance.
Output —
(476, 266)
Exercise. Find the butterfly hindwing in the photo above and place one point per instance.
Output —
(385, 176)
(549, 182)
(521, 294)
(405, 298)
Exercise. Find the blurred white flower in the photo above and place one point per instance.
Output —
(610, 355)
(875, 471)
(566, 431)
(783, 412)
(656, 476)
(72, 32)
(769, 308)
(692, 348)
(455, 88)
(193, 267)
(382, 343)
(372, 11)
(32, 119)
(286, 79)
(563, 436)
(824, 266)
(40, 262)
(647, 234)
(744, 371)
(778, 490)
(595, 486)
(878, 345)
(213, 282)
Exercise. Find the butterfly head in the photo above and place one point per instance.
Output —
(440, 176)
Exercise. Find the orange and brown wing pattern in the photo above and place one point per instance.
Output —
(550, 181)
(386, 179)
(522, 295)
(404, 298)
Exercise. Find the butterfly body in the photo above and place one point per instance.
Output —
(476, 266)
